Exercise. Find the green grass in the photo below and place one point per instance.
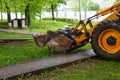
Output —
(11, 54)
(22, 53)
(13, 35)
(92, 69)
(30, 51)
(83, 48)
(44, 25)
(40, 26)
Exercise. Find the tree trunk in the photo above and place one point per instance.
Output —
(16, 15)
(27, 16)
(8, 14)
(75, 14)
(29, 20)
(85, 12)
(80, 10)
(21, 15)
(57, 14)
(52, 9)
(65, 14)
(1, 16)
(40, 17)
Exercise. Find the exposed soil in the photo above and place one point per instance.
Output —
(13, 43)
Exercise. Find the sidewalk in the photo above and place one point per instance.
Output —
(42, 64)
(19, 31)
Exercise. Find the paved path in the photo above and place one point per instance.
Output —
(6, 40)
(18, 31)
(38, 65)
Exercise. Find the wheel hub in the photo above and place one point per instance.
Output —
(111, 41)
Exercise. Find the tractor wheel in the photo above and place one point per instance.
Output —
(106, 40)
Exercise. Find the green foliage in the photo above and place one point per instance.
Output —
(14, 5)
(2, 6)
(117, 1)
(86, 5)
(36, 6)
(93, 6)
(55, 3)
(53, 6)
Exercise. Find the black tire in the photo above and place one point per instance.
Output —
(108, 24)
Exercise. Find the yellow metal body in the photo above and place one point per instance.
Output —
(83, 27)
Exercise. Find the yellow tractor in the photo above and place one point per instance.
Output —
(104, 35)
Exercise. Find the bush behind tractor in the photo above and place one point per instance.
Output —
(104, 35)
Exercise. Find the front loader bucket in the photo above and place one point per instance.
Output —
(43, 40)
(55, 41)
(61, 39)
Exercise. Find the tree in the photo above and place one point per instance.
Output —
(33, 8)
(8, 10)
(1, 9)
(28, 7)
(93, 6)
(106, 3)
(37, 7)
(4, 7)
(116, 1)
(85, 5)
(11, 6)
(17, 6)
(53, 4)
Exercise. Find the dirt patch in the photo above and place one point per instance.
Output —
(14, 43)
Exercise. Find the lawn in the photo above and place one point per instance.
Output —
(44, 25)
(91, 69)
(39, 26)
(11, 54)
